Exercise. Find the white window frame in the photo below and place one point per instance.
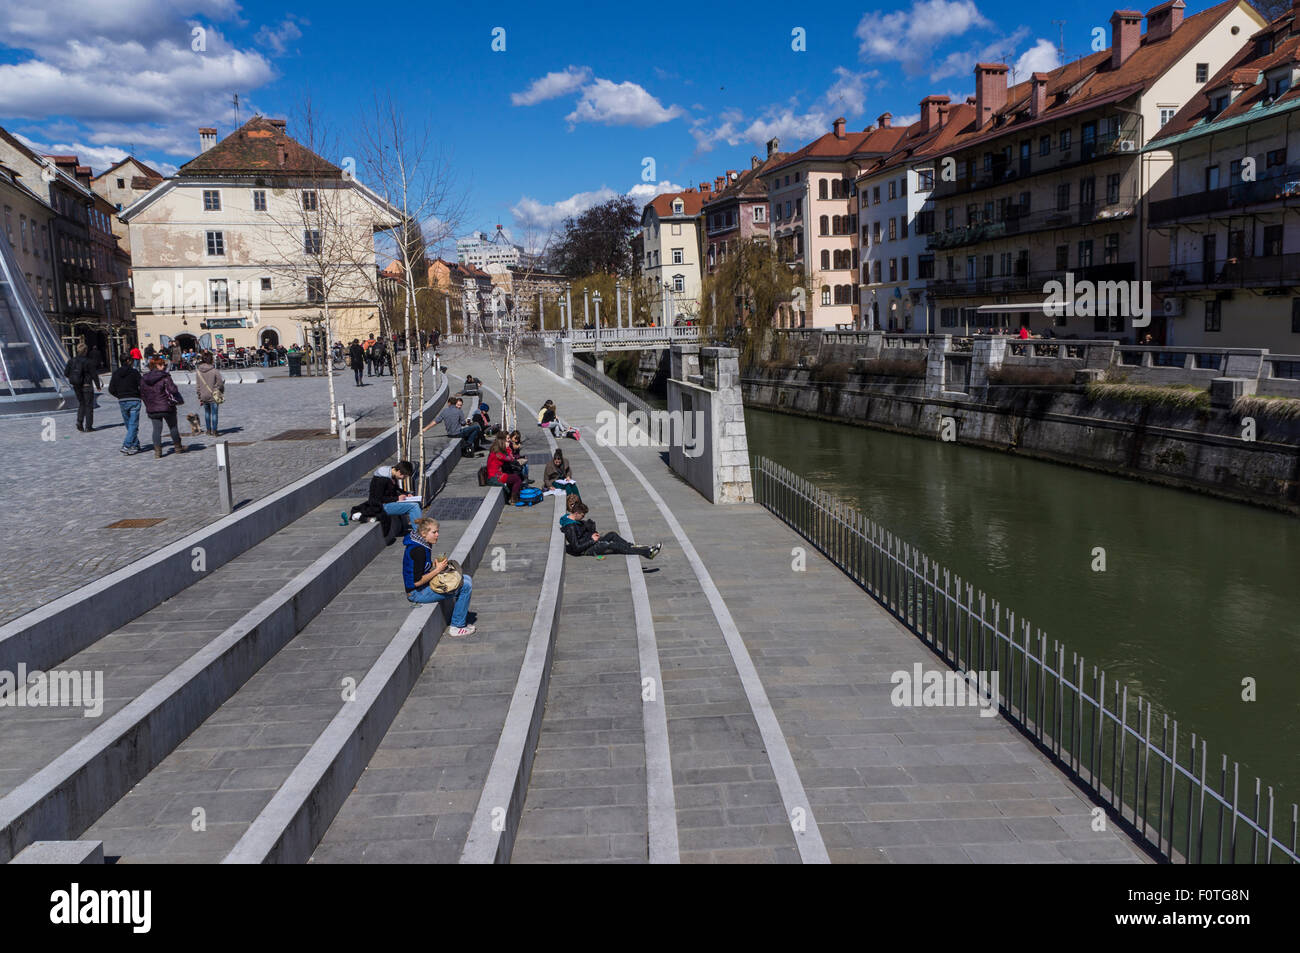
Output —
(218, 293)
(679, 283)
(678, 256)
(760, 213)
(265, 205)
(216, 240)
(216, 194)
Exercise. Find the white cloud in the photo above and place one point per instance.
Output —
(97, 157)
(962, 63)
(126, 74)
(278, 38)
(621, 104)
(788, 126)
(530, 214)
(911, 36)
(1039, 58)
(848, 94)
(905, 121)
(552, 85)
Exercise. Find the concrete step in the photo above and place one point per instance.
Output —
(416, 799)
(228, 769)
(165, 682)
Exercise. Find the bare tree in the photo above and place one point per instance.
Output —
(401, 166)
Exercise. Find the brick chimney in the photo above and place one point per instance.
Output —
(705, 188)
(773, 146)
(754, 162)
(838, 126)
(1037, 94)
(732, 175)
(885, 120)
(207, 138)
(990, 91)
(944, 109)
(930, 107)
(1125, 36)
(718, 183)
(1164, 19)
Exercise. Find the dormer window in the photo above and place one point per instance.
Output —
(677, 207)
(1219, 103)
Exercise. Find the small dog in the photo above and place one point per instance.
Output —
(195, 429)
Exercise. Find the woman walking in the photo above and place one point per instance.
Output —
(212, 391)
(161, 397)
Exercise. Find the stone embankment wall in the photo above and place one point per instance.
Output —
(1203, 448)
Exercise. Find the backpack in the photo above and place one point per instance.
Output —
(529, 496)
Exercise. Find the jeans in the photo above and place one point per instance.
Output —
(86, 407)
(469, 436)
(514, 482)
(170, 418)
(614, 544)
(459, 611)
(357, 371)
(130, 407)
(409, 510)
(210, 411)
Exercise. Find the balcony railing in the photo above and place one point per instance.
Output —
(1034, 280)
(1091, 213)
(1240, 272)
(1123, 141)
(1281, 184)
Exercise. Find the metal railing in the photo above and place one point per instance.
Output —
(1135, 770)
(612, 391)
(1236, 272)
(584, 339)
(1012, 222)
(1281, 184)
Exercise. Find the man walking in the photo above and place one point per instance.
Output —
(357, 360)
(84, 378)
(453, 420)
(379, 353)
(125, 386)
(369, 346)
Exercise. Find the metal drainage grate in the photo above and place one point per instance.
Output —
(136, 523)
(362, 433)
(455, 507)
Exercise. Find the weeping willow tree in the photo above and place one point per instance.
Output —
(742, 297)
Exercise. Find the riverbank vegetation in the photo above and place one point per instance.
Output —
(1182, 396)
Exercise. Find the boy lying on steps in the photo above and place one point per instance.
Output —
(581, 538)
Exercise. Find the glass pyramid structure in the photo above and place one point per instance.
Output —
(32, 358)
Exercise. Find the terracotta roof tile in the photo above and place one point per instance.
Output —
(692, 202)
(259, 145)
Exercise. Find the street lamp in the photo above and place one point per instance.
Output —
(595, 297)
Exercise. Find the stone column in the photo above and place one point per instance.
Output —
(934, 365)
(709, 447)
(986, 355)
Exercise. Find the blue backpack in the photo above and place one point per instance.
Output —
(529, 496)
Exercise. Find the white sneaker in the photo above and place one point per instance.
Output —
(356, 517)
(459, 632)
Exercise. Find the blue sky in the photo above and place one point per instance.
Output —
(563, 117)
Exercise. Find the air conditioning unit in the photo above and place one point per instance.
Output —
(1127, 145)
(1173, 307)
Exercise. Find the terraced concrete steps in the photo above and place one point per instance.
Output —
(230, 766)
(415, 800)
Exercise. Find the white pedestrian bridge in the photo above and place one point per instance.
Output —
(585, 339)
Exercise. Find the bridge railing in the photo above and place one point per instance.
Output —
(584, 338)
(1085, 725)
(612, 391)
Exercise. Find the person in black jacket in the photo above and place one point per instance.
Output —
(357, 360)
(388, 499)
(581, 538)
(125, 386)
(83, 376)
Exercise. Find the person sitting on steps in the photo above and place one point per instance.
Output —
(558, 477)
(550, 419)
(581, 538)
(502, 468)
(420, 566)
(388, 495)
(453, 420)
(514, 443)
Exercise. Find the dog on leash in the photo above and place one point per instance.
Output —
(195, 430)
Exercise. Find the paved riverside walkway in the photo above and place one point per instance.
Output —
(812, 654)
(70, 488)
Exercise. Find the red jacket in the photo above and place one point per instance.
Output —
(494, 462)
